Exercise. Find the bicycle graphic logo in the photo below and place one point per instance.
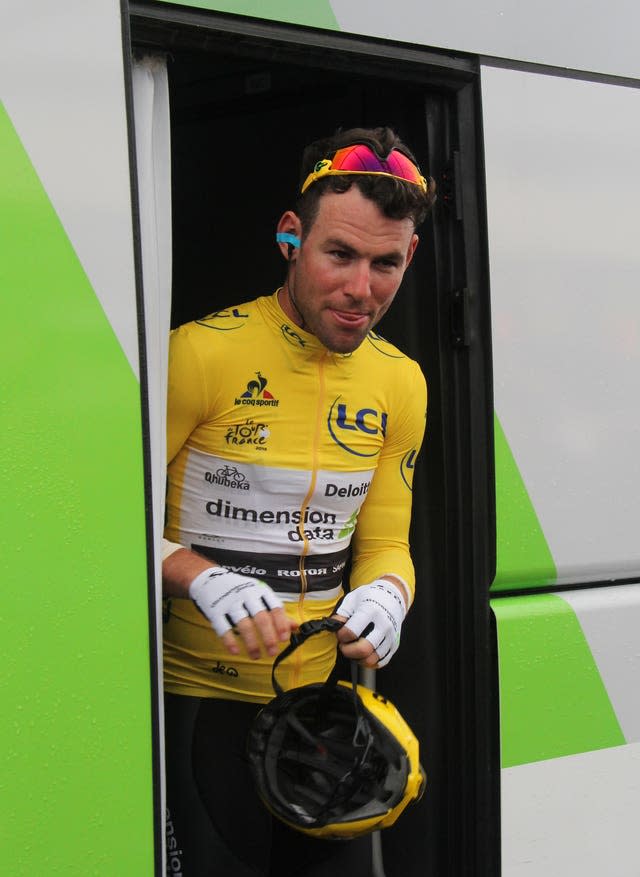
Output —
(230, 473)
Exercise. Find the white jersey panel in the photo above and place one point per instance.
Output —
(250, 508)
(563, 184)
(61, 78)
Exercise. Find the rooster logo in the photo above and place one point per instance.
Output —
(256, 389)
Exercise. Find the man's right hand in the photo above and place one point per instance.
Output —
(240, 605)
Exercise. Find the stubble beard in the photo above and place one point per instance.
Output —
(338, 341)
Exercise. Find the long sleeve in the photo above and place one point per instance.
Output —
(381, 540)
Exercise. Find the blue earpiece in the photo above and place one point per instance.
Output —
(283, 237)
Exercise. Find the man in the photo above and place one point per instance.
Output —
(292, 431)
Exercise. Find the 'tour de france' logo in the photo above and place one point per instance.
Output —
(248, 433)
(347, 423)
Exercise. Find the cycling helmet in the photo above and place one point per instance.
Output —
(333, 760)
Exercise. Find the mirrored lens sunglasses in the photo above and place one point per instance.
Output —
(361, 159)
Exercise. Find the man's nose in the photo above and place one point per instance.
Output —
(360, 281)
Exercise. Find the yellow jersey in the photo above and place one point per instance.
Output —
(284, 458)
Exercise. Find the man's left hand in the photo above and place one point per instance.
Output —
(372, 615)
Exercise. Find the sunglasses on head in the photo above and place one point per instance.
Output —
(361, 159)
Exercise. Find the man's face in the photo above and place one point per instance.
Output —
(348, 269)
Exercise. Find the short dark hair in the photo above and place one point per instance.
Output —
(396, 198)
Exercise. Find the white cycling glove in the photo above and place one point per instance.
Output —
(226, 597)
(379, 609)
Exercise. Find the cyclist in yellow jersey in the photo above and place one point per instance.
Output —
(293, 429)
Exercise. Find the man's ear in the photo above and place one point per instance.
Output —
(288, 233)
(412, 248)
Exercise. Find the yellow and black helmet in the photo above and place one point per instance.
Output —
(333, 760)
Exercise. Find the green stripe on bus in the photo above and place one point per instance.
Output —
(312, 13)
(552, 698)
(76, 716)
(524, 559)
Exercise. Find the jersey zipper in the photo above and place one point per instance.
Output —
(315, 456)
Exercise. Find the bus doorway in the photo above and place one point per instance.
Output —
(241, 113)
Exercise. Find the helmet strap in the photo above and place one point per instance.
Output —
(306, 630)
